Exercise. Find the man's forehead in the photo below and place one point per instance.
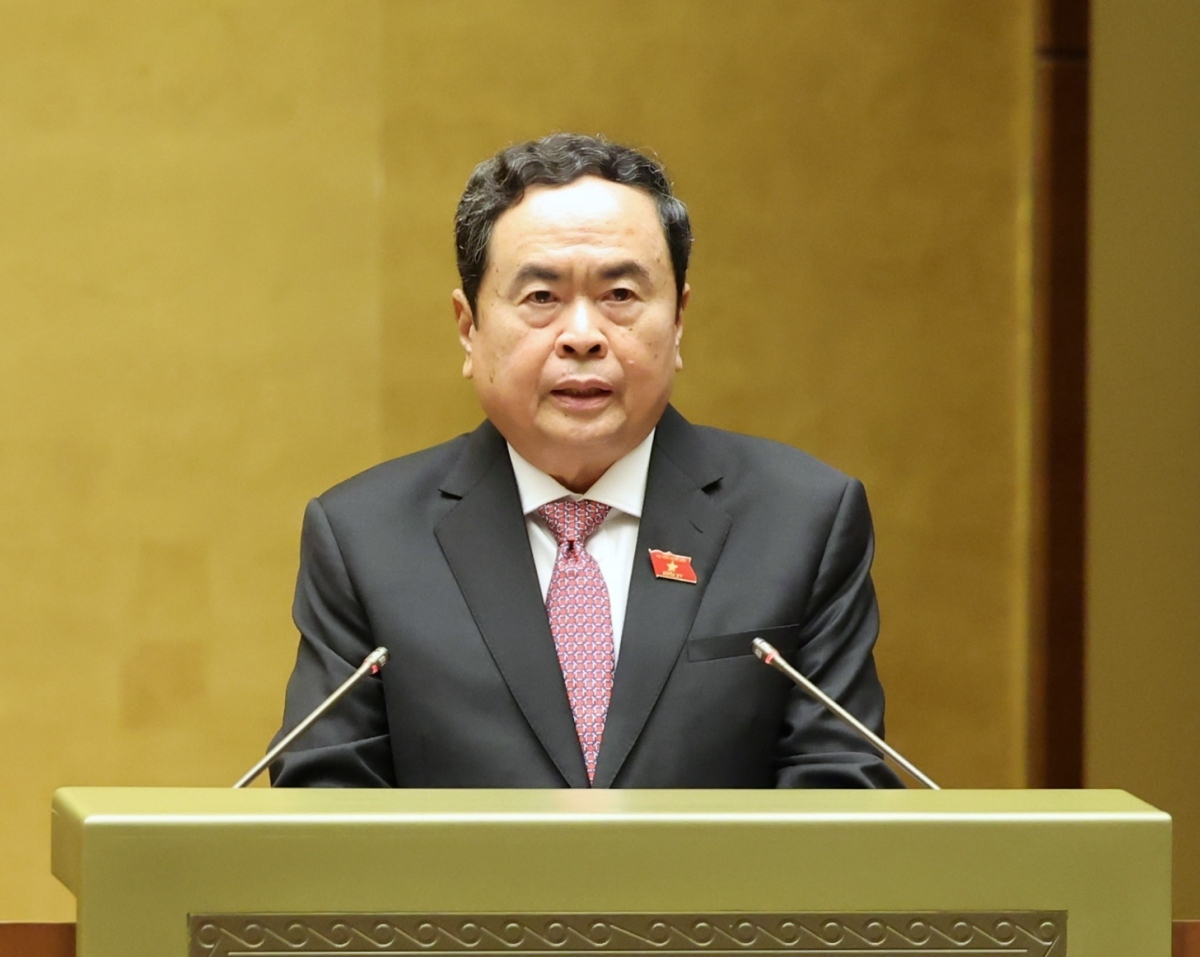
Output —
(586, 196)
(588, 211)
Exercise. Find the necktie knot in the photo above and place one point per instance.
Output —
(570, 521)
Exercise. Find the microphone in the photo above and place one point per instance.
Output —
(768, 654)
(371, 665)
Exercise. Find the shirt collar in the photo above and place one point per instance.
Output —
(622, 487)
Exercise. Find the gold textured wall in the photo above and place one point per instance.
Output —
(1143, 715)
(225, 265)
(190, 324)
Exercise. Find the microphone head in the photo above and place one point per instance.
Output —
(377, 659)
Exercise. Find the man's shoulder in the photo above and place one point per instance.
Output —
(768, 464)
(397, 481)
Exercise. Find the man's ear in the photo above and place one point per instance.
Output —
(684, 297)
(464, 318)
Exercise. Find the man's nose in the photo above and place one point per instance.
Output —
(583, 335)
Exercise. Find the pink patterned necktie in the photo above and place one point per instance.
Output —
(581, 620)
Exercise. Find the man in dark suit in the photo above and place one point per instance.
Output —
(569, 593)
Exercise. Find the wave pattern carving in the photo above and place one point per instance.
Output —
(1017, 933)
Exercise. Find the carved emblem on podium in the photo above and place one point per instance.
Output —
(1025, 933)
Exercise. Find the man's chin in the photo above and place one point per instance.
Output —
(581, 449)
(587, 430)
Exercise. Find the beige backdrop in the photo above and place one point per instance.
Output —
(225, 261)
(1143, 705)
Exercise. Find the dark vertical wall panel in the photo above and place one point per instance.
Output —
(1060, 388)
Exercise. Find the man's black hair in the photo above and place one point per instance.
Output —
(499, 183)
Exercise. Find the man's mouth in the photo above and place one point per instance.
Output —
(582, 396)
(586, 393)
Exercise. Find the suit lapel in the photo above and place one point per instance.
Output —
(487, 546)
(677, 516)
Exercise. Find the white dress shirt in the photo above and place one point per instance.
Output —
(613, 544)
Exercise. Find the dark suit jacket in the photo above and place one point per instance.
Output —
(428, 555)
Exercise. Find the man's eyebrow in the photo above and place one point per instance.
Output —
(628, 269)
(535, 271)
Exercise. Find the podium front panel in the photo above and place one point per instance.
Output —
(214, 873)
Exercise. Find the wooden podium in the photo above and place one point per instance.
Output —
(218, 873)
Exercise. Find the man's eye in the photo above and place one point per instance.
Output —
(621, 295)
(542, 297)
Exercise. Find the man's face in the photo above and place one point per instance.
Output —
(575, 340)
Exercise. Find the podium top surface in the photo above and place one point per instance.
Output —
(96, 805)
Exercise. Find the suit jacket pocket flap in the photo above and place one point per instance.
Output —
(783, 637)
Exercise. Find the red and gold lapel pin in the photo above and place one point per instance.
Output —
(678, 568)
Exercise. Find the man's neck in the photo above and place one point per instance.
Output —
(577, 476)
(581, 481)
(622, 486)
